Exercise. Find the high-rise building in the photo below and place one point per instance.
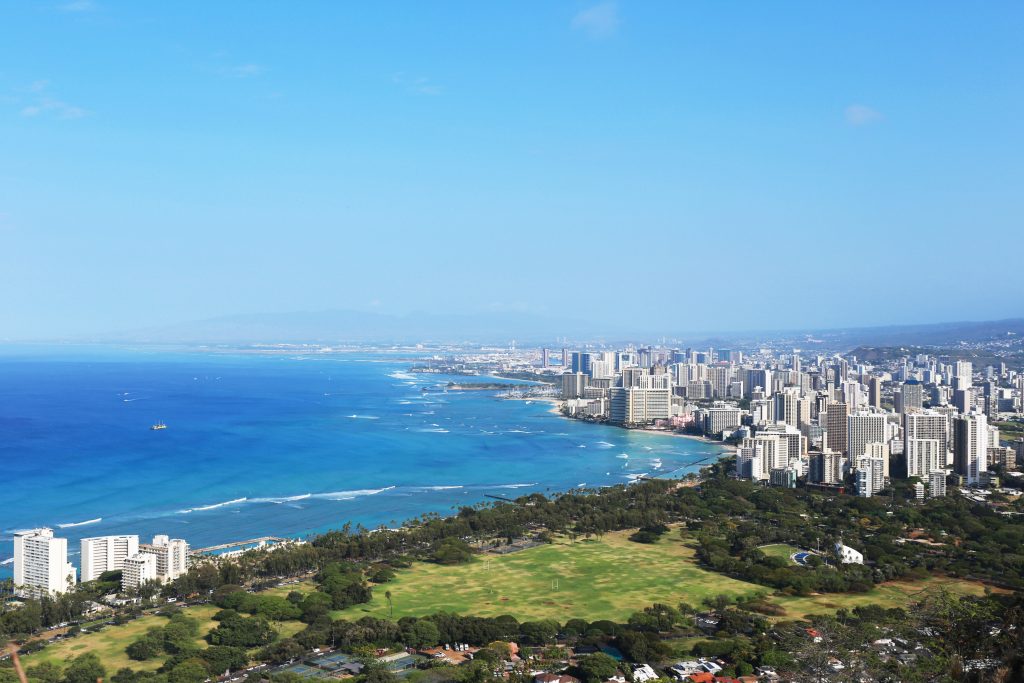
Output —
(971, 447)
(659, 381)
(835, 428)
(964, 375)
(719, 419)
(721, 377)
(633, 405)
(137, 570)
(792, 408)
(923, 457)
(766, 453)
(573, 384)
(863, 428)
(870, 476)
(171, 556)
(937, 483)
(792, 441)
(106, 553)
(929, 424)
(875, 392)
(41, 564)
(826, 468)
(631, 375)
(601, 368)
(919, 491)
(581, 362)
(911, 397)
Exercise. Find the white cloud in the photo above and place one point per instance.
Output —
(419, 86)
(598, 21)
(861, 115)
(41, 102)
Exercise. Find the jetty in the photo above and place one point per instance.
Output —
(260, 542)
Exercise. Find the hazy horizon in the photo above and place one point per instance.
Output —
(752, 167)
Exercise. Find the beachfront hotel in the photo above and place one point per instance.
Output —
(41, 563)
(106, 553)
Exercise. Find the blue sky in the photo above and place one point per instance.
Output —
(721, 165)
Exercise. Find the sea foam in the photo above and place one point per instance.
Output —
(74, 524)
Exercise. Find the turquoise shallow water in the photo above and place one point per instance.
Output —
(273, 445)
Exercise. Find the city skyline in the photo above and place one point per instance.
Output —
(162, 167)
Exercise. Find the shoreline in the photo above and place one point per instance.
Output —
(556, 409)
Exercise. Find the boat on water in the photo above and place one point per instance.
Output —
(159, 425)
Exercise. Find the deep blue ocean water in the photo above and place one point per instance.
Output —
(277, 445)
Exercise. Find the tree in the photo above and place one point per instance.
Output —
(453, 551)
(142, 649)
(391, 607)
(424, 633)
(189, 671)
(85, 669)
(46, 672)
(539, 632)
(597, 667)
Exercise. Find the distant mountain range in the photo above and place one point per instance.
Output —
(328, 327)
(356, 326)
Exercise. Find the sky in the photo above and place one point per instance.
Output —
(718, 165)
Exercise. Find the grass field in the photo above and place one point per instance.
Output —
(780, 550)
(596, 579)
(603, 579)
(890, 594)
(109, 644)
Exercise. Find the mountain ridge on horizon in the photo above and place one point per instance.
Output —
(340, 325)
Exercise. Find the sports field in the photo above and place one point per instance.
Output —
(594, 579)
(780, 550)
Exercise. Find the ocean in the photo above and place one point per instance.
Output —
(278, 445)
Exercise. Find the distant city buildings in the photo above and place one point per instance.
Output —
(826, 420)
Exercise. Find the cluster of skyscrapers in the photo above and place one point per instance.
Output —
(41, 561)
(828, 420)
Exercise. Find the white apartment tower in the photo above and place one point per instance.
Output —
(764, 452)
(106, 553)
(138, 570)
(863, 428)
(870, 477)
(971, 455)
(927, 425)
(923, 457)
(41, 563)
(171, 556)
(633, 405)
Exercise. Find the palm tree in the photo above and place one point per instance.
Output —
(391, 607)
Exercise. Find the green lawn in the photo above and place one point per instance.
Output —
(780, 550)
(608, 578)
(603, 579)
